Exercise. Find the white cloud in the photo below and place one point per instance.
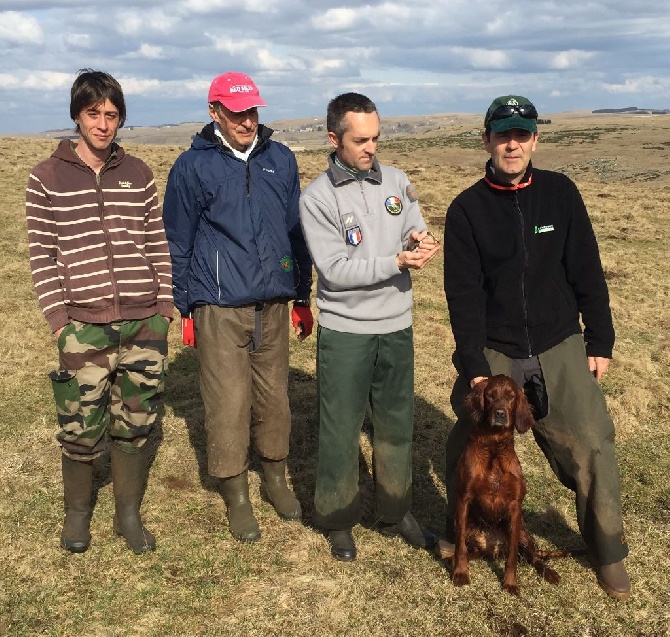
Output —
(570, 59)
(18, 28)
(601, 53)
(78, 40)
(44, 81)
(335, 19)
(140, 86)
(139, 22)
(150, 52)
(645, 84)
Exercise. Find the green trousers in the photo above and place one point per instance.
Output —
(577, 438)
(359, 373)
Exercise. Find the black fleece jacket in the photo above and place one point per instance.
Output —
(521, 266)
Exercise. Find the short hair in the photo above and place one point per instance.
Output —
(93, 87)
(339, 106)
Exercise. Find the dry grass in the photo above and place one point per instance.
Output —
(201, 582)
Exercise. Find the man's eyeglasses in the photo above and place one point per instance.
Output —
(527, 111)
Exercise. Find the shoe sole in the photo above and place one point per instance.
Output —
(614, 594)
(343, 558)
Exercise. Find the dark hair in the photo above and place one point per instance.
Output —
(93, 87)
(339, 106)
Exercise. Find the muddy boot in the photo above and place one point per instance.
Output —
(243, 524)
(129, 478)
(282, 498)
(77, 489)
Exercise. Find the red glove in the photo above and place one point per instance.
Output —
(301, 317)
(187, 331)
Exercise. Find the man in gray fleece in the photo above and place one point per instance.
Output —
(364, 231)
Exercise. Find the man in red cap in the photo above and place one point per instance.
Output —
(238, 257)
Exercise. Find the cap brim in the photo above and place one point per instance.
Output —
(243, 103)
(502, 125)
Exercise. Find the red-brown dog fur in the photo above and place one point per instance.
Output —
(491, 486)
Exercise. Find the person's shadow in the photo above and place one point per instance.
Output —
(431, 432)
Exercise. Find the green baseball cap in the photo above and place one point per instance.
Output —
(511, 111)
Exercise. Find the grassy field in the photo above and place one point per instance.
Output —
(200, 581)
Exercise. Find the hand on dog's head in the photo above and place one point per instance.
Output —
(499, 401)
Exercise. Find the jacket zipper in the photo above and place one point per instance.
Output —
(523, 274)
(110, 257)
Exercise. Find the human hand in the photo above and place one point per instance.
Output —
(302, 320)
(57, 333)
(477, 380)
(598, 366)
(423, 247)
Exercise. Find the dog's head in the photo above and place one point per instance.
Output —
(498, 402)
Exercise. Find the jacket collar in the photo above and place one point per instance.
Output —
(208, 135)
(340, 176)
(492, 180)
(65, 151)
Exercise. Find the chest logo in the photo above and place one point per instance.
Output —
(393, 205)
(286, 263)
(125, 184)
(541, 229)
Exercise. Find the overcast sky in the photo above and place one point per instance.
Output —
(412, 57)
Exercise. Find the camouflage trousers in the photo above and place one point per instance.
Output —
(110, 379)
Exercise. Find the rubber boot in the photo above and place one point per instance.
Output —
(77, 490)
(243, 524)
(282, 498)
(129, 477)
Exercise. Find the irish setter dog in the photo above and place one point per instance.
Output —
(491, 486)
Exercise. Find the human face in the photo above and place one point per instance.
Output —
(510, 152)
(358, 145)
(238, 129)
(97, 124)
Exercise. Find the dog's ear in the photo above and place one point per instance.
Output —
(474, 401)
(523, 418)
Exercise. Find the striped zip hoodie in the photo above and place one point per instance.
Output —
(98, 251)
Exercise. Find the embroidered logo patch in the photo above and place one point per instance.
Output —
(125, 184)
(352, 229)
(286, 263)
(354, 236)
(393, 205)
(541, 229)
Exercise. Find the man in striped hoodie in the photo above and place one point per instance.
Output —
(101, 270)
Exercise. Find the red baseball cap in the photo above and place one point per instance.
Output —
(236, 91)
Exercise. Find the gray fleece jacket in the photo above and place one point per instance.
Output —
(354, 230)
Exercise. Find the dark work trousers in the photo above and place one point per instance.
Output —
(244, 383)
(576, 434)
(357, 372)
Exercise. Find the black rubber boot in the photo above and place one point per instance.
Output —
(282, 498)
(129, 477)
(243, 524)
(77, 490)
(410, 531)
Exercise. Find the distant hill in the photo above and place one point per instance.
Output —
(634, 110)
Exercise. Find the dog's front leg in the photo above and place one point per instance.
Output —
(461, 567)
(515, 523)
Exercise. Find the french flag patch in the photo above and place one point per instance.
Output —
(354, 236)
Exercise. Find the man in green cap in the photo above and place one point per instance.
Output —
(521, 269)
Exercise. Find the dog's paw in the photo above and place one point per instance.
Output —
(512, 589)
(460, 579)
(550, 575)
